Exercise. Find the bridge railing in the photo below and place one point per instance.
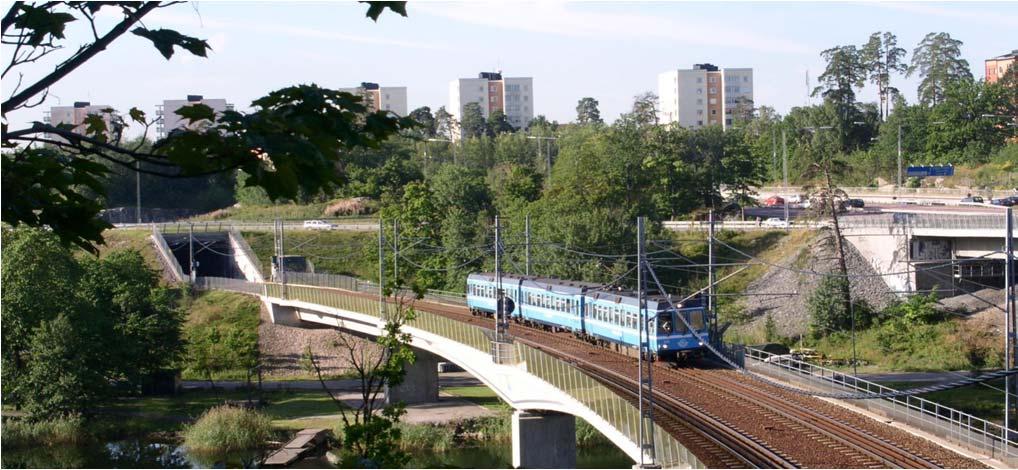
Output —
(166, 254)
(228, 284)
(931, 221)
(618, 412)
(948, 423)
(621, 414)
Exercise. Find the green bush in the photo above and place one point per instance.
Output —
(226, 429)
(58, 431)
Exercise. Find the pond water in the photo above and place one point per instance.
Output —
(138, 453)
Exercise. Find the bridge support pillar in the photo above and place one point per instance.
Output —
(283, 315)
(420, 384)
(544, 440)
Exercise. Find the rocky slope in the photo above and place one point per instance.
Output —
(794, 278)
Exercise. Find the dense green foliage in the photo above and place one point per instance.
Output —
(227, 428)
(73, 328)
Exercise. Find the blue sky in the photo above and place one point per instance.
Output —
(608, 50)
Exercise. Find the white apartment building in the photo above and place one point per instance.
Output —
(514, 96)
(76, 114)
(379, 98)
(170, 120)
(704, 95)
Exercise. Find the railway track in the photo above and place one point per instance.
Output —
(717, 443)
(855, 442)
(728, 421)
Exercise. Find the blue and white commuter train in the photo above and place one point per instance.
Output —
(593, 312)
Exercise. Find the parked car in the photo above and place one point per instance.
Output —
(774, 201)
(317, 225)
(775, 222)
(972, 200)
(1005, 201)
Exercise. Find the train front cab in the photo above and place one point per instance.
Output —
(481, 293)
(673, 339)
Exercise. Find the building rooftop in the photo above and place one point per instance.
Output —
(1010, 55)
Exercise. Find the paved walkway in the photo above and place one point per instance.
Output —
(946, 376)
(448, 379)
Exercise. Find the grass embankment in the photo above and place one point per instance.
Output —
(984, 401)
(333, 252)
(226, 429)
(137, 240)
(771, 246)
(222, 334)
(255, 213)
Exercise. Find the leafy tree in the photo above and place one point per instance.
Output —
(644, 111)
(514, 184)
(472, 123)
(39, 279)
(938, 62)
(134, 310)
(844, 72)
(73, 329)
(43, 186)
(882, 57)
(387, 169)
(427, 124)
(445, 124)
(498, 124)
(587, 112)
(743, 111)
(540, 125)
(249, 195)
(66, 372)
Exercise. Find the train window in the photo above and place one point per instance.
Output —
(665, 325)
(696, 319)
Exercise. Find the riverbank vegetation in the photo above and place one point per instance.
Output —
(228, 428)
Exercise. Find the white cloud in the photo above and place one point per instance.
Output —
(571, 20)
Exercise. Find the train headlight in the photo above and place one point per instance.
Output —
(664, 346)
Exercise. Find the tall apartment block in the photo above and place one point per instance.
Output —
(997, 66)
(704, 95)
(170, 120)
(514, 96)
(75, 115)
(382, 98)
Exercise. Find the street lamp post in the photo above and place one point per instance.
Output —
(452, 145)
(548, 161)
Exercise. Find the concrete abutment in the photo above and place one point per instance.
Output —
(544, 440)
(420, 385)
